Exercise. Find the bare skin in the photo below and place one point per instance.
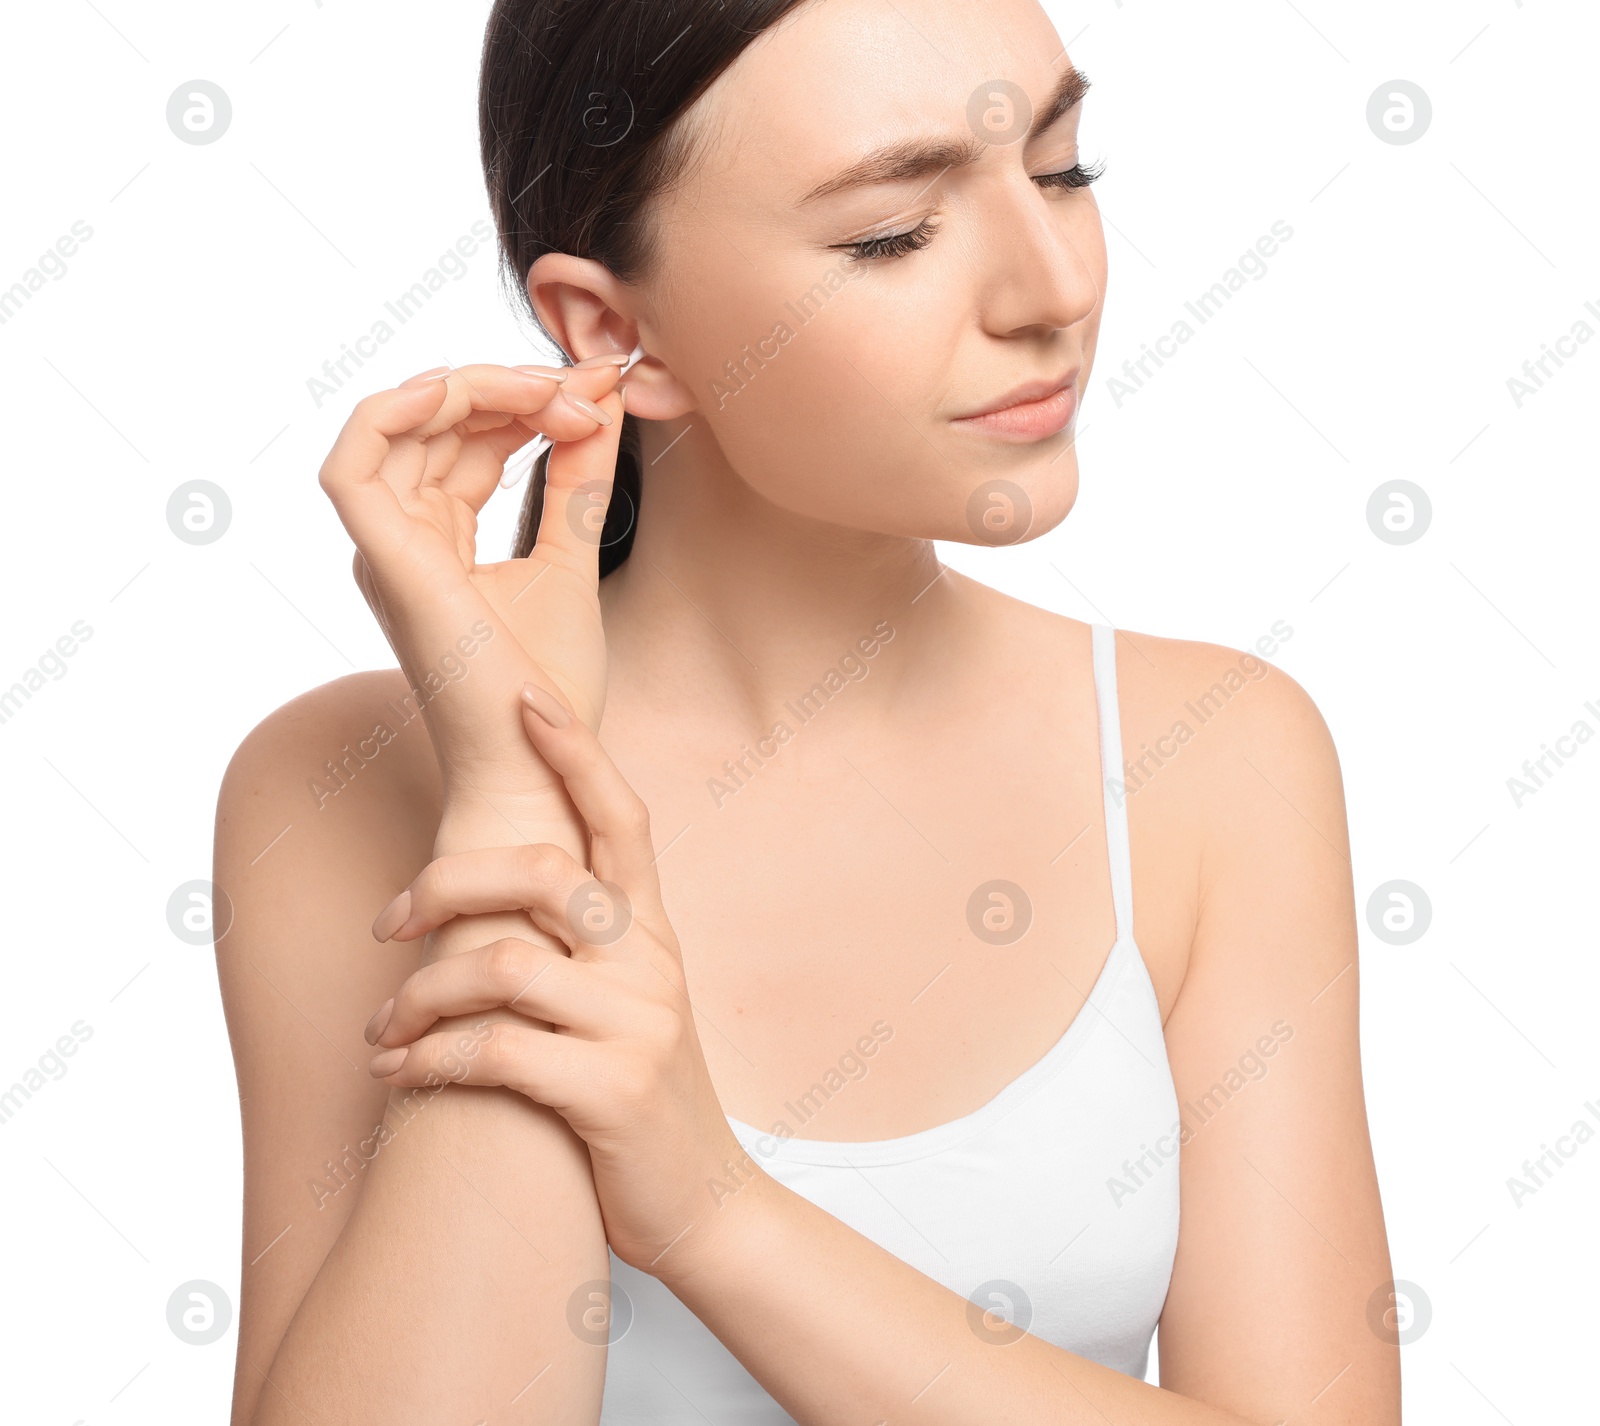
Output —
(432, 1279)
(809, 989)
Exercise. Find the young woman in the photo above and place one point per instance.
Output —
(869, 998)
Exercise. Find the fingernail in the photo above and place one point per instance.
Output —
(588, 408)
(607, 359)
(388, 1061)
(622, 396)
(433, 374)
(393, 916)
(546, 705)
(554, 373)
(380, 1018)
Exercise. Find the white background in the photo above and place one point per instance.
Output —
(1229, 493)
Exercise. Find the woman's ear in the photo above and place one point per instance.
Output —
(589, 313)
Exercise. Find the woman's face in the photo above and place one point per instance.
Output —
(839, 380)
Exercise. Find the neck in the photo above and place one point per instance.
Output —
(729, 601)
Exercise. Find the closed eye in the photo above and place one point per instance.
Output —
(1080, 175)
(892, 245)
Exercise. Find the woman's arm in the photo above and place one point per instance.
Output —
(438, 1286)
(839, 1331)
(420, 1270)
(1279, 1305)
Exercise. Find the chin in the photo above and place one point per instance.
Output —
(998, 509)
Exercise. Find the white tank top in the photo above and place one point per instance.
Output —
(1053, 1207)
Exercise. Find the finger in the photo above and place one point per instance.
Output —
(488, 387)
(548, 1067)
(485, 396)
(535, 981)
(618, 819)
(549, 883)
(381, 456)
(489, 438)
(389, 447)
(579, 477)
(352, 476)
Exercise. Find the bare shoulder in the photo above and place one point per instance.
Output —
(328, 807)
(1228, 769)
(307, 754)
(1237, 817)
(1224, 739)
(1210, 733)
(1184, 687)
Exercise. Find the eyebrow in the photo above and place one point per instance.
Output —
(915, 158)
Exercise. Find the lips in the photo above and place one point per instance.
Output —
(1029, 391)
(1030, 412)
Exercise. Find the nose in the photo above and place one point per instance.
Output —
(1048, 257)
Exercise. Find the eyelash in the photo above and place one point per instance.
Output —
(899, 244)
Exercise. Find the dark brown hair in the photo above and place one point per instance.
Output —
(577, 108)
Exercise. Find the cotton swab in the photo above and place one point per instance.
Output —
(522, 461)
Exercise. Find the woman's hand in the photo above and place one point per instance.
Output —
(616, 1053)
(408, 475)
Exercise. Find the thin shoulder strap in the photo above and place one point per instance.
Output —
(1112, 782)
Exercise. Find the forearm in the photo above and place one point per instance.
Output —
(841, 1332)
(447, 1292)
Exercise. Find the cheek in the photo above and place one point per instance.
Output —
(826, 402)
